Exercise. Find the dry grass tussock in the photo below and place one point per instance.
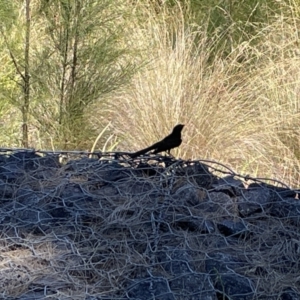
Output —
(242, 110)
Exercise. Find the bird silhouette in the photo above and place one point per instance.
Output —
(171, 141)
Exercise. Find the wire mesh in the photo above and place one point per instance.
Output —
(80, 225)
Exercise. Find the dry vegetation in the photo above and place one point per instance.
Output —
(241, 109)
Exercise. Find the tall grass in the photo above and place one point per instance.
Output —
(241, 109)
(240, 104)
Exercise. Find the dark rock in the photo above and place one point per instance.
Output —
(188, 195)
(6, 191)
(192, 286)
(114, 175)
(228, 181)
(10, 173)
(26, 196)
(175, 261)
(223, 205)
(161, 228)
(136, 188)
(260, 271)
(228, 283)
(229, 186)
(193, 224)
(30, 216)
(232, 228)
(234, 286)
(288, 209)
(198, 173)
(148, 170)
(253, 200)
(222, 262)
(18, 164)
(30, 160)
(278, 193)
(59, 213)
(150, 288)
(289, 294)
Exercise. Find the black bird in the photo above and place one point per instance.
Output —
(171, 141)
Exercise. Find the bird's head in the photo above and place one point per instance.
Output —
(178, 128)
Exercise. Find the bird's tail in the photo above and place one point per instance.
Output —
(143, 151)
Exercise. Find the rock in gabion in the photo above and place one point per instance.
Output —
(110, 227)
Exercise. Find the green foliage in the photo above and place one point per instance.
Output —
(226, 69)
(230, 22)
(8, 84)
(83, 59)
(8, 14)
(77, 56)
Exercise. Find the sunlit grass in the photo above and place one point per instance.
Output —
(242, 110)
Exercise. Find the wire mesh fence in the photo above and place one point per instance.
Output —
(80, 225)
